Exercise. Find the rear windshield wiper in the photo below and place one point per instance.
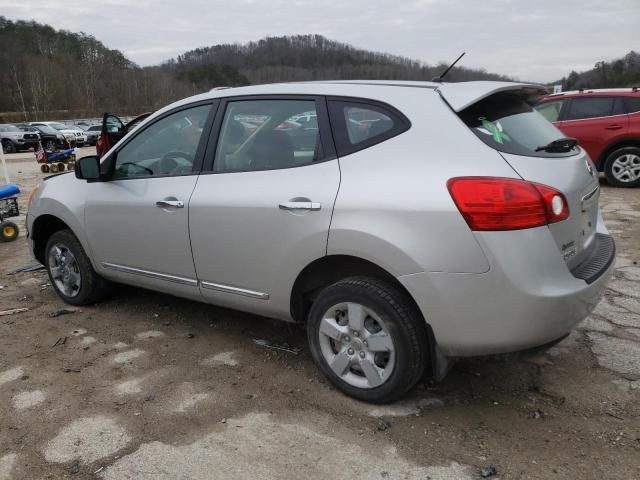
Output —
(559, 146)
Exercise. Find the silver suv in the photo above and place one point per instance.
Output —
(412, 223)
(13, 139)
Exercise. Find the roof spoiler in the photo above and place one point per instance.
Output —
(464, 94)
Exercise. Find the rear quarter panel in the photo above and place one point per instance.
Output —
(393, 207)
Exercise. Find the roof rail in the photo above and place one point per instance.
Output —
(219, 88)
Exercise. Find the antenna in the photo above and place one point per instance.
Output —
(443, 74)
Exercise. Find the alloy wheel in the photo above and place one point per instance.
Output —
(65, 270)
(357, 345)
(626, 168)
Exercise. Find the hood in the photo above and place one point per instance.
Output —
(461, 95)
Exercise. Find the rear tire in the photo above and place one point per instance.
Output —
(70, 271)
(622, 167)
(368, 339)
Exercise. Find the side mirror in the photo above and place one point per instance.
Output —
(88, 168)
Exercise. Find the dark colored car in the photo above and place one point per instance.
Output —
(113, 129)
(50, 138)
(606, 124)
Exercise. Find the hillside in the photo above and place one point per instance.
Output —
(47, 73)
(622, 72)
(314, 57)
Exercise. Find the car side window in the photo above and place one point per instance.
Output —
(359, 125)
(594, 107)
(632, 104)
(268, 134)
(166, 147)
(550, 110)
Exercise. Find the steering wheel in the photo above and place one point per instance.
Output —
(168, 164)
(147, 170)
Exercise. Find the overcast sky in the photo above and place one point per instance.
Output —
(536, 40)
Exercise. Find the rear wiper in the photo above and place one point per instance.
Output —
(559, 146)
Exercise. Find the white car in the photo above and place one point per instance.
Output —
(72, 133)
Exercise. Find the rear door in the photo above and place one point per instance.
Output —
(263, 211)
(507, 123)
(596, 122)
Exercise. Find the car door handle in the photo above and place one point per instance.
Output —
(613, 127)
(170, 203)
(300, 206)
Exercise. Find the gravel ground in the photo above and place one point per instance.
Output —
(148, 386)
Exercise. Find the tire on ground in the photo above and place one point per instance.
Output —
(92, 286)
(404, 322)
(9, 231)
(609, 166)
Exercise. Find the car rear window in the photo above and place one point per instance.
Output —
(507, 123)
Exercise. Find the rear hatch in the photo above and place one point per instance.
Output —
(504, 119)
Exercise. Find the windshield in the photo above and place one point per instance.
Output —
(60, 126)
(9, 128)
(506, 122)
(46, 130)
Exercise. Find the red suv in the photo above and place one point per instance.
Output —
(606, 124)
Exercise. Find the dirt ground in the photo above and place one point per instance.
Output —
(146, 386)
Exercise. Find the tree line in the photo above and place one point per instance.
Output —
(56, 74)
(622, 72)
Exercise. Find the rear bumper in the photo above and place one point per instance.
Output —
(528, 298)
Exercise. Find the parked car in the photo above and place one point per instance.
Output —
(73, 134)
(606, 124)
(13, 139)
(460, 226)
(113, 129)
(93, 133)
(50, 138)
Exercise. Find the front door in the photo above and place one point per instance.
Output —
(137, 221)
(263, 213)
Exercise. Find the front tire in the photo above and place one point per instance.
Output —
(70, 270)
(8, 147)
(368, 339)
(622, 167)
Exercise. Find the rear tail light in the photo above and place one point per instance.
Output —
(488, 203)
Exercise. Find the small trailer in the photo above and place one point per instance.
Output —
(55, 161)
(8, 206)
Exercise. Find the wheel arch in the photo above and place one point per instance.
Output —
(327, 270)
(626, 142)
(43, 227)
